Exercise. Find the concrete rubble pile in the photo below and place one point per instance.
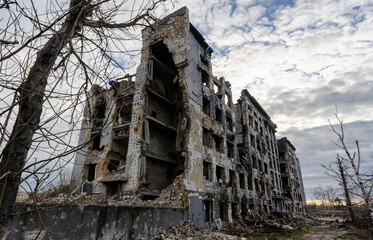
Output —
(191, 231)
(240, 229)
(173, 196)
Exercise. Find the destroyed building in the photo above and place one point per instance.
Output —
(291, 177)
(177, 121)
(258, 154)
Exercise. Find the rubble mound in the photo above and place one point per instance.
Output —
(174, 196)
(192, 232)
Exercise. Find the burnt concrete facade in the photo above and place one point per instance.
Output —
(176, 122)
(258, 153)
(291, 177)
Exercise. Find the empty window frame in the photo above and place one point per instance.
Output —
(218, 114)
(235, 211)
(219, 143)
(206, 137)
(255, 162)
(242, 180)
(91, 172)
(252, 140)
(209, 210)
(230, 149)
(249, 183)
(232, 179)
(256, 185)
(228, 100)
(229, 122)
(223, 211)
(243, 210)
(205, 78)
(216, 88)
(113, 164)
(207, 171)
(265, 168)
(220, 174)
(206, 106)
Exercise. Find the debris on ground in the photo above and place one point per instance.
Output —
(174, 196)
(192, 232)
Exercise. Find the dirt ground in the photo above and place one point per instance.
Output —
(328, 232)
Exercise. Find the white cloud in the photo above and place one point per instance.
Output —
(299, 62)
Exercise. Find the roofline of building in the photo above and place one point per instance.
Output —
(288, 141)
(201, 40)
(260, 108)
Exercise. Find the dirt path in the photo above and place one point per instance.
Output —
(326, 232)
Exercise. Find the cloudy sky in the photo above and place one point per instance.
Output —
(299, 59)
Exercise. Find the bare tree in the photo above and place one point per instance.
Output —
(325, 195)
(351, 169)
(47, 62)
(338, 170)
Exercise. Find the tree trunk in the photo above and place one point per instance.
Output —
(31, 95)
(345, 188)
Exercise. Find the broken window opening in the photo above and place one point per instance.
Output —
(219, 144)
(252, 140)
(283, 168)
(148, 196)
(242, 181)
(163, 72)
(218, 114)
(260, 166)
(220, 174)
(249, 182)
(97, 142)
(91, 172)
(232, 179)
(258, 145)
(100, 107)
(98, 118)
(206, 138)
(206, 106)
(207, 171)
(235, 211)
(265, 168)
(209, 210)
(113, 164)
(230, 149)
(113, 189)
(227, 100)
(217, 88)
(204, 60)
(158, 174)
(243, 210)
(256, 186)
(263, 148)
(223, 212)
(255, 163)
(250, 120)
(205, 78)
(229, 122)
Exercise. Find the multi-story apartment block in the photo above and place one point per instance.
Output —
(291, 177)
(176, 122)
(258, 152)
